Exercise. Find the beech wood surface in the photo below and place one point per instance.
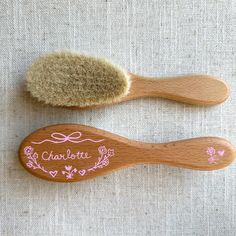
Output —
(202, 90)
(191, 153)
(192, 89)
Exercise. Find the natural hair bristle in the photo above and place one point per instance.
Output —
(71, 79)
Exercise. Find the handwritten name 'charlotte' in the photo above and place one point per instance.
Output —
(48, 156)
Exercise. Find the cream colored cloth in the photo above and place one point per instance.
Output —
(154, 38)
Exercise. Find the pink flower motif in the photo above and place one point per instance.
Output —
(102, 150)
(211, 160)
(32, 159)
(211, 151)
(69, 172)
(103, 160)
(28, 150)
(29, 164)
(35, 155)
(111, 152)
(68, 168)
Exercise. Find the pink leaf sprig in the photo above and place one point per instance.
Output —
(103, 159)
(69, 172)
(32, 159)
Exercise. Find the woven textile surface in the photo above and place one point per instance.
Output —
(152, 38)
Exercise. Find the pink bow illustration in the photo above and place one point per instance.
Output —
(73, 138)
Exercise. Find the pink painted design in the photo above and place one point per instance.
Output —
(53, 173)
(82, 172)
(69, 172)
(214, 155)
(211, 160)
(33, 163)
(221, 153)
(32, 159)
(73, 138)
(211, 151)
(28, 150)
(68, 168)
(103, 159)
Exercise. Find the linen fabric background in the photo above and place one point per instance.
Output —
(153, 38)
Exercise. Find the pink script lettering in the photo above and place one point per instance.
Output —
(51, 156)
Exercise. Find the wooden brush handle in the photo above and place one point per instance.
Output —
(68, 153)
(193, 89)
(204, 153)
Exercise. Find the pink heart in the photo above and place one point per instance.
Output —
(221, 153)
(53, 173)
(82, 172)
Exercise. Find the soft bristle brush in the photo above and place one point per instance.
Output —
(71, 152)
(80, 81)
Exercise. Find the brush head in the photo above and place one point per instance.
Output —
(71, 79)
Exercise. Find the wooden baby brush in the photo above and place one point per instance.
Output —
(71, 152)
(78, 81)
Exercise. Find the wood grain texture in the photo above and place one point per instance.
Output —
(192, 89)
(71, 152)
(202, 90)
